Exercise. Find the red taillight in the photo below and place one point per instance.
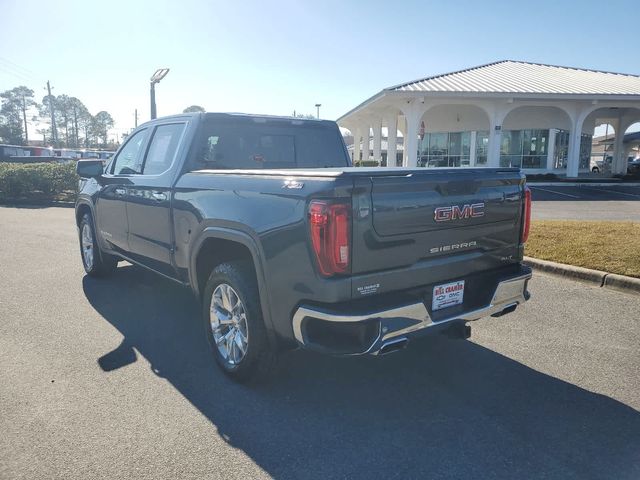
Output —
(329, 225)
(526, 214)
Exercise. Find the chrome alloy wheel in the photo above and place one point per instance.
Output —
(87, 245)
(229, 324)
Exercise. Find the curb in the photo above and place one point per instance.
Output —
(598, 278)
(622, 283)
(583, 184)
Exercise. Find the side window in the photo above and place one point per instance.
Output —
(129, 160)
(162, 149)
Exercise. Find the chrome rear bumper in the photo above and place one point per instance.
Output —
(398, 324)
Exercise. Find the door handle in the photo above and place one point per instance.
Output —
(120, 191)
(159, 196)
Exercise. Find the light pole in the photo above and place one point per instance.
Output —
(155, 78)
(318, 105)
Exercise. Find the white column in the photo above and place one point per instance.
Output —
(402, 126)
(356, 145)
(495, 139)
(392, 140)
(472, 148)
(619, 164)
(616, 124)
(573, 157)
(377, 141)
(621, 153)
(411, 139)
(366, 150)
(551, 149)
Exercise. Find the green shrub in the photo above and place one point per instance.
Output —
(38, 181)
(541, 177)
(366, 163)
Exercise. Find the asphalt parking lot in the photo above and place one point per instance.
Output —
(112, 379)
(611, 202)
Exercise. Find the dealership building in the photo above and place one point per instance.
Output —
(504, 114)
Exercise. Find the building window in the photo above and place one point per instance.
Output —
(562, 150)
(482, 147)
(524, 148)
(561, 154)
(511, 148)
(534, 148)
(445, 149)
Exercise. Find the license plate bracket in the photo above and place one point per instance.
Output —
(447, 295)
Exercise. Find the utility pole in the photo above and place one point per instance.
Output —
(54, 134)
(75, 127)
(136, 119)
(318, 105)
(24, 117)
(152, 94)
(155, 78)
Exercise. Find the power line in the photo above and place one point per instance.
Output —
(15, 74)
(18, 71)
(19, 68)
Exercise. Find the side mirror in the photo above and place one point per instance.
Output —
(89, 168)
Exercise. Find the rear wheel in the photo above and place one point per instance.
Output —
(95, 262)
(595, 170)
(234, 324)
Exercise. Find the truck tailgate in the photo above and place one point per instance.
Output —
(431, 226)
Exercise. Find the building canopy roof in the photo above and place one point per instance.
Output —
(509, 76)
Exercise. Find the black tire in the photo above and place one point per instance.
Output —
(260, 359)
(101, 264)
(595, 170)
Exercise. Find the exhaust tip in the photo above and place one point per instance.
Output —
(507, 310)
(393, 346)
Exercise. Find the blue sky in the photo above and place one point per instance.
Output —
(277, 56)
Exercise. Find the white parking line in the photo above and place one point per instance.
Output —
(619, 193)
(553, 191)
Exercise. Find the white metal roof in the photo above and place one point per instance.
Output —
(510, 76)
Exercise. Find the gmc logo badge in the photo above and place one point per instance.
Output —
(456, 212)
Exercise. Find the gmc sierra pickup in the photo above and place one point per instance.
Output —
(287, 245)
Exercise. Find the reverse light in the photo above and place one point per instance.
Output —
(526, 215)
(329, 225)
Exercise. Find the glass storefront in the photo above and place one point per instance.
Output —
(561, 153)
(482, 147)
(562, 150)
(452, 149)
(586, 142)
(524, 148)
(444, 149)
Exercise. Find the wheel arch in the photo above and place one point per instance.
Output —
(83, 208)
(217, 245)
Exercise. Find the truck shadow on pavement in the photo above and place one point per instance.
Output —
(445, 408)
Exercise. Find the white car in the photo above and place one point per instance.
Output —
(602, 165)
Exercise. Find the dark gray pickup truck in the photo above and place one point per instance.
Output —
(287, 245)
